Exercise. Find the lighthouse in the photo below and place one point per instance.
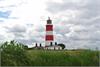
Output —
(49, 38)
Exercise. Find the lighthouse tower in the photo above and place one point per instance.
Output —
(49, 38)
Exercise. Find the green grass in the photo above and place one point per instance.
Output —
(16, 54)
(63, 58)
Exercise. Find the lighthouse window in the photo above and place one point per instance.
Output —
(49, 21)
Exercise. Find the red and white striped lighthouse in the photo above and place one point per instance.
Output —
(49, 38)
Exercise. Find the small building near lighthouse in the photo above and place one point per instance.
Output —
(54, 47)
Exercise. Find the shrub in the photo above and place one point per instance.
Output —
(13, 54)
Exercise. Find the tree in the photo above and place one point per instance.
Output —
(25, 47)
(12, 42)
(62, 45)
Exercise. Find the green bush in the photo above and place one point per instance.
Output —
(13, 54)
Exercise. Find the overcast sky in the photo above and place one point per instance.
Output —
(76, 22)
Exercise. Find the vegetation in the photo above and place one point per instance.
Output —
(16, 54)
(13, 54)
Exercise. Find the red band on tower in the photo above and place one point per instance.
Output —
(49, 37)
(49, 27)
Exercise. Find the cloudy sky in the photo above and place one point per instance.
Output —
(76, 22)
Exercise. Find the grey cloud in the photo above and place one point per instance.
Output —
(30, 25)
(31, 36)
(38, 36)
(2, 37)
(92, 9)
(19, 35)
(81, 44)
(88, 8)
(16, 29)
(59, 29)
(58, 7)
(40, 29)
(25, 41)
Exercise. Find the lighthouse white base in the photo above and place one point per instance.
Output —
(47, 43)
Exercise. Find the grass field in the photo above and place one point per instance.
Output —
(16, 54)
(63, 58)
